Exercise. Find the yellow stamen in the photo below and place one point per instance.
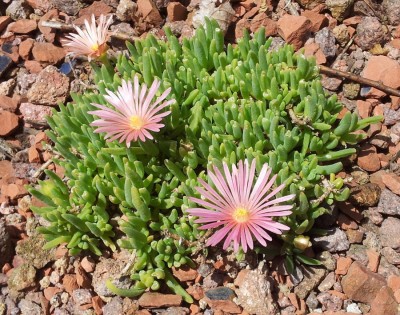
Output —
(95, 47)
(241, 215)
(136, 122)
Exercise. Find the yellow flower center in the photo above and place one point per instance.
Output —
(241, 215)
(95, 47)
(136, 122)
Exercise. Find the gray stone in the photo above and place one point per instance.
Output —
(114, 307)
(353, 308)
(82, 296)
(391, 255)
(312, 277)
(359, 253)
(391, 116)
(220, 293)
(175, 310)
(372, 241)
(386, 269)
(18, 9)
(327, 283)
(21, 278)
(369, 33)
(71, 7)
(5, 64)
(326, 41)
(29, 308)
(339, 8)
(312, 301)
(334, 241)
(126, 10)
(330, 302)
(254, 293)
(392, 10)
(7, 87)
(390, 233)
(6, 246)
(31, 250)
(205, 269)
(351, 90)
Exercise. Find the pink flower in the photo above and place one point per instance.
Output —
(135, 115)
(244, 210)
(91, 41)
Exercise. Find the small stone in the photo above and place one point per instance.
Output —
(327, 283)
(254, 292)
(330, 302)
(390, 232)
(343, 265)
(391, 255)
(33, 66)
(29, 307)
(23, 26)
(341, 34)
(70, 284)
(33, 155)
(18, 9)
(334, 241)
(176, 12)
(310, 4)
(185, 273)
(392, 181)
(364, 108)
(88, 264)
(220, 293)
(21, 278)
(339, 8)
(392, 11)
(149, 12)
(384, 302)
(97, 8)
(4, 21)
(365, 195)
(373, 260)
(9, 123)
(48, 32)
(351, 90)
(313, 276)
(47, 52)
(313, 49)
(318, 21)
(25, 48)
(126, 10)
(326, 41)
(49, 292)
(361, 284)
(31, 250)
(368, 158)
(389, 203)
(196, 292)
(35, 113)
(327, 260)
(6, 247)
(50, 88)
(8, 103)
(114, 307)
(294, 30)
(156, 300)
(71, 7)
(82, 296)
(5, 63)
(354, 236)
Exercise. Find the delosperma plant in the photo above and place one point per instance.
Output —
(240, 138)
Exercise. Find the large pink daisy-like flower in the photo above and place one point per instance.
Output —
(91, 41)
(244, 210)
(135, 113)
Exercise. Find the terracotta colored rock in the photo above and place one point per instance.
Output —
(9, 123)
(342, 265)
(97, 8)
(348, 209)
(392, 181)
(97, 304)
(6, 170)
(8, 103)
(384, 69)
(47, 52)
(394, 282)
(196, 292)
(33, 155)
(35, 113)
(87, 263)
(4, 21)
(70, 284)
(346, 223)
(176, 12)
(314, 49)
(185, 273)
(23, 26)
(373, 260)
(368, 158)
(360, 284)
(48, 32)
(354, 236)
(33, 66)
(294, 30)
(155, 300)
(25, 48)
(364, 108)
(262, 20)
(149, 12)
(14, 191)
(50, 87)
(50, 292)
(318, 21)
(224, 305)
(384, 302)
(82, 278)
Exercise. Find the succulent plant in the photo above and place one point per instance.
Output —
(232, 103)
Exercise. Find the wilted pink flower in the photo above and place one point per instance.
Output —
(245, 211)
(91, 41)
(134, 115)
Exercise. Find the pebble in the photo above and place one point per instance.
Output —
(334, 241)
(21, 278)
(5, 244)
(367, 195)
(326, 41)
(368, 158)
(23, 26)
(176, 12)
(29, 308)
(391, 255)
(155, 300)
(35, 113)
(5, 64)
(330, 302)
(392, 11)
(18, 9)
(327, 283)
(4, 21)
(389, 232)
(9, 123)
(126, 10)
(389, 203)
(82, 296)
(294, 30)
(312, 277)
(339, 8)
(71, 7)
(8, 103)
(47, 52)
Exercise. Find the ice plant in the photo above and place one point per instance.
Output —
(135, 113)
(244, 210)
(90, 41)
